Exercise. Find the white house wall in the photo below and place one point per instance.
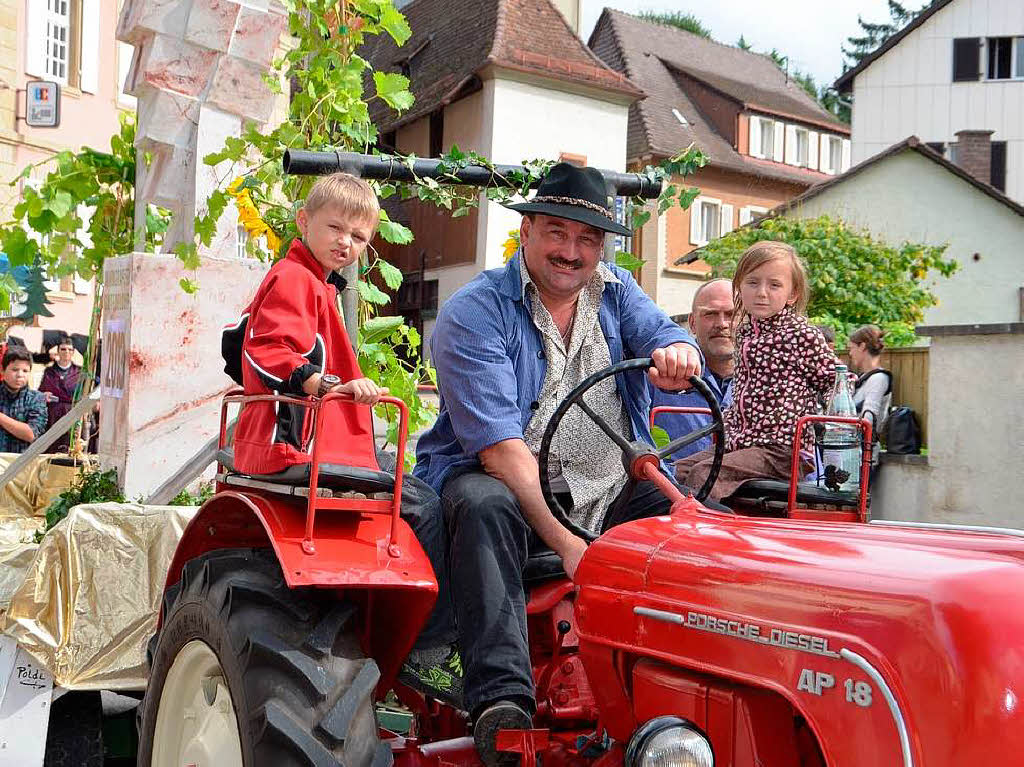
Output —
(537, 122)
(888, 199)
(910, 90)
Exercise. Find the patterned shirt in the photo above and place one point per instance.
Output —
(583, 458)
(783, 365)
(25, 405)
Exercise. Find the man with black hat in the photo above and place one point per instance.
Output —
(508, 347)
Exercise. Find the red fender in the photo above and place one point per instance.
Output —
(396, 589)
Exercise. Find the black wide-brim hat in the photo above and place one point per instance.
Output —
(577, 194)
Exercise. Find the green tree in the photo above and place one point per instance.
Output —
(875, 34)
(684, 21)
(35, 294)
(855, 279)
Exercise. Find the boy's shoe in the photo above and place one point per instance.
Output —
(503, 715)
(436, 672)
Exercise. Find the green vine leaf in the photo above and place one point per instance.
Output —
(394, 89)
(371, 293)
(394, 232)
(391, 274)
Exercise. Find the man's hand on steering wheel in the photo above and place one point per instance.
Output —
(673, 366)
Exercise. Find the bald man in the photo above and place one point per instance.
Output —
(711, 324)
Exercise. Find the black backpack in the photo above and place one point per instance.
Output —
(902, 432)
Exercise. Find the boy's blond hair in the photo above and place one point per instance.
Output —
(762, 252)
(354, 196)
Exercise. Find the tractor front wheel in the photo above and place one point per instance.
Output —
(246, 672)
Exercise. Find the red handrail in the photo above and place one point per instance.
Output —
(317, 405)
(658, 410)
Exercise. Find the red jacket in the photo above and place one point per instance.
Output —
(291, 330)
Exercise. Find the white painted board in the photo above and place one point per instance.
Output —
(25, 711)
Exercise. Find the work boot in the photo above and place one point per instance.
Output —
(436, 672)
(503, 715)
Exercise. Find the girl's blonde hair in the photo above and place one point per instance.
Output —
(761, 253)
(353, 195)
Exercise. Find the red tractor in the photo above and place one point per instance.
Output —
(697, 638)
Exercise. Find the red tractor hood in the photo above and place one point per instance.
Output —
(929, 620)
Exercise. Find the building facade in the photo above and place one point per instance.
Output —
(512, 81)
(982, 228)
(955, 78)
(766, 139)
(70, 42)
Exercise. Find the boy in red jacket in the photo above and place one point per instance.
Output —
(293, 342)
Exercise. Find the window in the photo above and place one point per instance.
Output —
(437, 133)
(62, 42)
(998, 173)
(966, 59)
(802, 147)
(1004, 58)
(1000, 57)
(831, 157)
(765, 139)
(749, 212)
(709, 218)
(58, 39)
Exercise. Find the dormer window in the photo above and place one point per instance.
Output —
(766, 138)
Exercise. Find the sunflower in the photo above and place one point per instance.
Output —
(511, 246)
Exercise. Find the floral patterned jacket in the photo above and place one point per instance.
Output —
(783, 365)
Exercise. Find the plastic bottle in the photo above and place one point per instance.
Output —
(841, 443)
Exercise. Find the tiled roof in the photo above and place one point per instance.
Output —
(453, 40)
(653, 56)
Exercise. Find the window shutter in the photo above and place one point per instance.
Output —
(966, 59)
(824, 155)
(779, 134)
(754, 149)
(791, 157)
(695, 213)
(35, 38)
(998, 150)
(745, 215)
(846, 156)
(812, 150)
(90, 65)
(725, 219)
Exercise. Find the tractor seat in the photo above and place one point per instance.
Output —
(542, 565)
(332, 476)
(765, 491)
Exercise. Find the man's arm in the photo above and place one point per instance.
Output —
(512, 462)
(17, 428)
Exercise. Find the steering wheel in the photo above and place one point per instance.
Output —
(637, 456)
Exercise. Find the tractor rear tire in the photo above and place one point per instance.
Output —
(300, 687)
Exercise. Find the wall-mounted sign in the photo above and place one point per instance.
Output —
(42, 104)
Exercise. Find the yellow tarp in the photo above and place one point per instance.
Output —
(89, 603)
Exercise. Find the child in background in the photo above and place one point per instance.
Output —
(783, 366)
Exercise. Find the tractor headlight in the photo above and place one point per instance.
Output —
(668, 741)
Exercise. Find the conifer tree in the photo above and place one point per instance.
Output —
(35, 294)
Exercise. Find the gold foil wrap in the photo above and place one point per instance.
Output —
(88, 605)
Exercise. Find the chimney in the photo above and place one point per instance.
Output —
(974, 153)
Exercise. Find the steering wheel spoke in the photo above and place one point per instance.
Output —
(615, 437)
(688, 439)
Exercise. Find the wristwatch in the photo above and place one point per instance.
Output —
(327, 382)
